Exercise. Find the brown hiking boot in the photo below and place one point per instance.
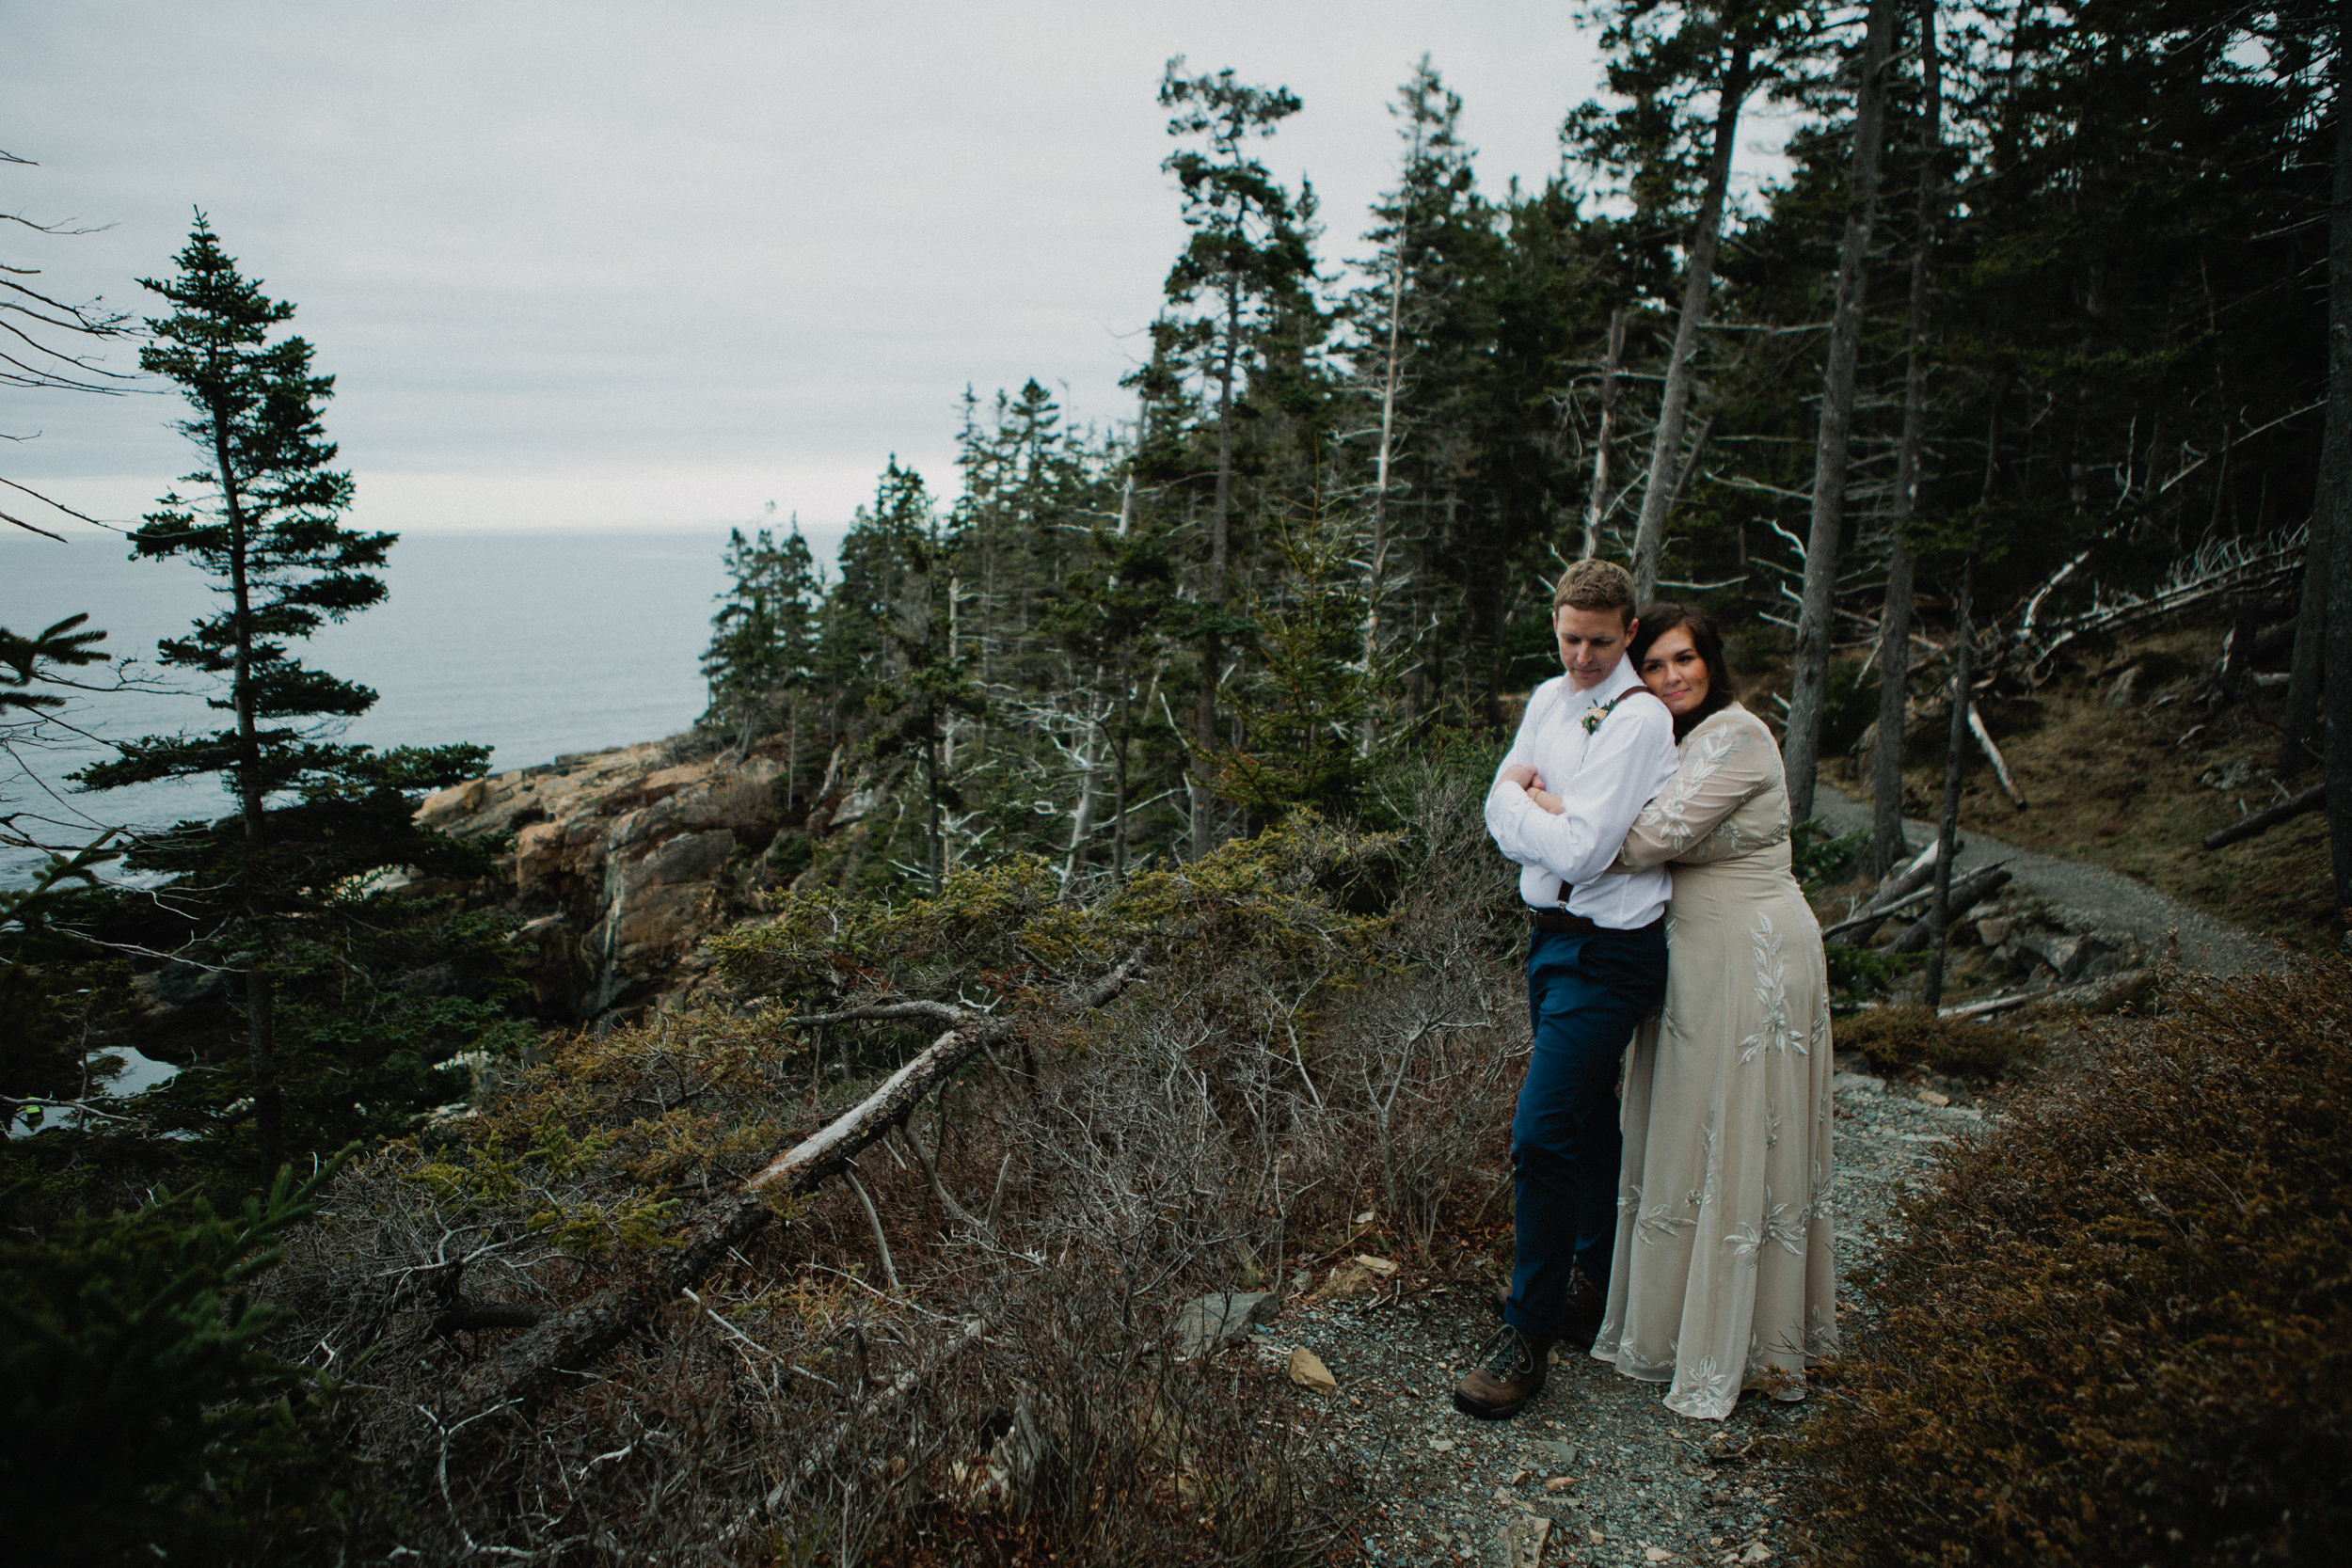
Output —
(1510, 1372)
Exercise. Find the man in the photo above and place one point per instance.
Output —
(1592, 749)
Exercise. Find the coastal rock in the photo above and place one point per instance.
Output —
(538, 854)
(621, 864)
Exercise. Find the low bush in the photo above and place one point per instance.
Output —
(144, 1418)
(1901, 1039)
(2119, 1330)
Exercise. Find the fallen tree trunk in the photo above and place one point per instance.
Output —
(567, 1342)
(1964, 897)
(2263, 821)
(1993, 754)
(1897, 891)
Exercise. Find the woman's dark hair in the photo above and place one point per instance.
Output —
(1663, 616)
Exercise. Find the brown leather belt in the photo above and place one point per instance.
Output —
(1560, 920)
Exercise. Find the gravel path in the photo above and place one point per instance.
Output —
(2091, 895)
(1619, 1477)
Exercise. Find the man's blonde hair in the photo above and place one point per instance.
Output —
(1595, 585)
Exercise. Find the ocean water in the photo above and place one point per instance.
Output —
(532, 643)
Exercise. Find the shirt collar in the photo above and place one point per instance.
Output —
(1613, 685)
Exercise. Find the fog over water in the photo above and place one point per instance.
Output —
(532, 643)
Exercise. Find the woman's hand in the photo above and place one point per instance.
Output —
(1547, 800)
(1519, 776)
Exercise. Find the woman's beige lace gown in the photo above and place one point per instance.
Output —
(1722, 1267)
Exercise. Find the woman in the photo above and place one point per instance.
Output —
(1723, 1275)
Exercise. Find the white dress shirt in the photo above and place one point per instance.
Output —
(1605, 774)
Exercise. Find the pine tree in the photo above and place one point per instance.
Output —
(762, 637)
(1249, 259)
(263, 519)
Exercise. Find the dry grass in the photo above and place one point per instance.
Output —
(2121, 787)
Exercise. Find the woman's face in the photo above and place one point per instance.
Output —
(1672, 667)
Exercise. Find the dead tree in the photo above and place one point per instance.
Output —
(1886, 807)
(1598, 502)
(1948, 826)
(566, 1343)
(1739, 75)
(1801, 746)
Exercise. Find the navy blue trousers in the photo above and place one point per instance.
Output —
(1585, 993)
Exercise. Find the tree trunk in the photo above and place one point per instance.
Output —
(1596, 503)
(1800, 748)
(1674, 405)
(260, 987)
(1090, 763)
(2300, 744)
(1375, 565)
(1886, 816)
(1212, 646)
(2338, 770)
(1948, 826)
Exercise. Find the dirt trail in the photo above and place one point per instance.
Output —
(2090, 895)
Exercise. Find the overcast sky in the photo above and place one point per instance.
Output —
(589, 263)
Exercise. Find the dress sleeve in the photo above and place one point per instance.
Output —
(1724, 766)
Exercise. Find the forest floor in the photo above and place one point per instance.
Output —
(1618, 1477)
(2122, 764)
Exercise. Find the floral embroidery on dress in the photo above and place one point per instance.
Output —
(1771, 993)
(1783, 1227)
(1702, 1390)
(1667, 817)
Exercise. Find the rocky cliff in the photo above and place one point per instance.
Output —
(620, 864)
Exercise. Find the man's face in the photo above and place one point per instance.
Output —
(1591, 643)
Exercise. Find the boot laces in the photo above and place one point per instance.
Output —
(1507, 1353)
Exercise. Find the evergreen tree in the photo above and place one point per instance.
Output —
(263, 519)
(1248, 260)
(762, 637)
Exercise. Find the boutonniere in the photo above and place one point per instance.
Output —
(1592, 721)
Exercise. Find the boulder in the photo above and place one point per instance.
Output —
(2067, 953)
(669, 781)
(1223, 1317)
(688, 858)
(458, 799)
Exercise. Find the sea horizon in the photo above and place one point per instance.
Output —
(538, 643)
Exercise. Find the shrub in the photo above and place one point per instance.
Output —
(1819, 855)
(1860, 972)
(1897, 1039)
(141, 1415)
(2119, 1330)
